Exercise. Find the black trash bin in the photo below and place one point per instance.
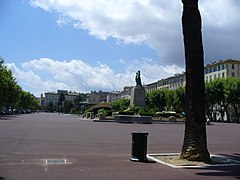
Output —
(139, 146)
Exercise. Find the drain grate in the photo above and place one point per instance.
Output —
(56, 161)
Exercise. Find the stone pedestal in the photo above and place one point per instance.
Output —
(133, 119)
(138, 96)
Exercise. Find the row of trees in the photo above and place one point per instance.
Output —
(223, 95)
(164, 99)
(12, 97)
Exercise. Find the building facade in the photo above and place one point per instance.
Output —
(113, 96)
(218, 69)
(53, 97)
(126, 92)
(178, 80)
(222, 69)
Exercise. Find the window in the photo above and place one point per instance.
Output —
(223, 74)
(233, 74)
(232, 66)
(223, 66)
(210, 70)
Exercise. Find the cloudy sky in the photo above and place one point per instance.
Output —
(83, 46)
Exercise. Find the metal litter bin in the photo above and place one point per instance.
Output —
(139, 146)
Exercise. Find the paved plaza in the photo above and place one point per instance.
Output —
(46, 146)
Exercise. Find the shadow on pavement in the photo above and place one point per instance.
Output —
(9, 117)
(235, 156)
(149, 161)
(4, 118)
(232, 170)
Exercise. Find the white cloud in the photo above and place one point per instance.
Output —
(156, 23)
(150, 22)
(30, 80)
(220, 13)
(78, 76)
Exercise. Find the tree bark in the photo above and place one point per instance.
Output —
(195, 139)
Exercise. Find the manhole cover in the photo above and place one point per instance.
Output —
(56, 161)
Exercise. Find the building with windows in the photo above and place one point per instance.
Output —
(176, 81)
(53, 97)
(218, 69)
(173, 82)
(222, 69)
(113, 96)
(126, 92)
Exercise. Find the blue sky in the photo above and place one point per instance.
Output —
(100, 45)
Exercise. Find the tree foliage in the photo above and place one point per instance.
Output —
(120, 105)
(164, 99)
(222, 95)
(11, 94)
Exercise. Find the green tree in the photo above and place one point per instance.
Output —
(61, 99)
(150, 101)
(68, 105)
(11, 94)
(156, 100)
(12, 90)
(77, 102)
(170, 100)
(27, 101)
(179, 99)
(210, 100)
(232, 95)
(160, 99)
(50, 107)
(120, 105)
(195, 139)
(218, 86)
(1, 82)
(9, 90)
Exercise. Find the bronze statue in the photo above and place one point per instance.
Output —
(138, 79)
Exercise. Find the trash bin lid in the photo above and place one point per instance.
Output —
(140, 132)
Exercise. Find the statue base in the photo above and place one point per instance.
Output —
(138, 96)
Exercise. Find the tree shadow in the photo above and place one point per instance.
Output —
(4, 118)
(8, 117)
(222, 170)
(234, 156)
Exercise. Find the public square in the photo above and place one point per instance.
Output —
(83, 149)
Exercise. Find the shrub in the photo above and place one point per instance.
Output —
(144, 112)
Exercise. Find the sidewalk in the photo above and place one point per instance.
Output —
(49, 146)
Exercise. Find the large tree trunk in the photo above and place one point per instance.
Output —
(195, 139)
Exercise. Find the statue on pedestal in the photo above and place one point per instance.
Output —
(138, 92)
